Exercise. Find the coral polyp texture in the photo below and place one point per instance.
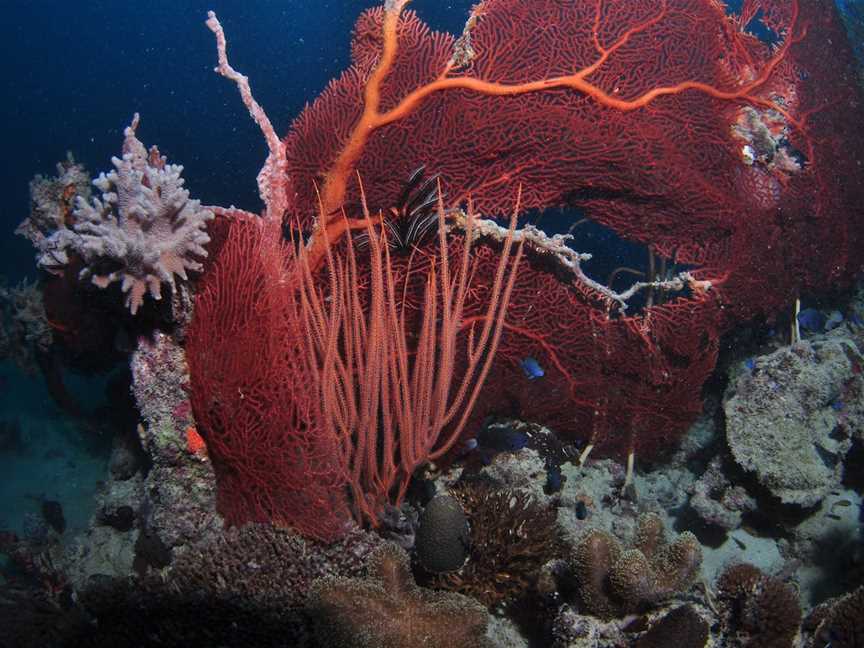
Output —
(144, 224)
(388, 610)
(760, 610)
(511, 538)
(612, 581)
(839, 623)
(733, 160)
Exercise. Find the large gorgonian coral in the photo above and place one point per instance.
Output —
(145, 229)
(732, 160)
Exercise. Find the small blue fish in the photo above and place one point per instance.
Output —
(835, 319)
(554, 479)
(750, 363)
(811, 320)
(837, 405)
(502, 438)
(532, 368)
(467, 447)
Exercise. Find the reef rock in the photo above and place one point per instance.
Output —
(791, 418)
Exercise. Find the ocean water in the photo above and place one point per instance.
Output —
(103, 497)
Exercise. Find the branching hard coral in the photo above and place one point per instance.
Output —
(512, 536)
(389, 610)
(611, 581)
(145, 229)
(760, 611)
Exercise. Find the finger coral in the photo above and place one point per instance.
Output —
(760, 610)
(144, 230)
(612, 581)
(389, 610)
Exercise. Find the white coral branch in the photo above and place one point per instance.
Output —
(144, 229)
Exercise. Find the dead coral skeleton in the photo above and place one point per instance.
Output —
(49, 225)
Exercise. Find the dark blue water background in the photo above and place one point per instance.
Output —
(75, 72)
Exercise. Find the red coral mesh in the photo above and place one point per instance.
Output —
(670, 175)
(250, 395)
(619, 383)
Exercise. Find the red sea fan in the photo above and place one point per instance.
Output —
(251, 397)
(664, 120)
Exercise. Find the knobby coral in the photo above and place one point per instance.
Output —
(145, 229)
(612, 581)
(388, 610)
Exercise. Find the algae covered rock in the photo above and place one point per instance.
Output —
(791, 418)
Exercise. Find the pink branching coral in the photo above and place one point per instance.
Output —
(145, 225)
(49, 225)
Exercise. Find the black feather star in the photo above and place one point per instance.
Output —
(414, 216)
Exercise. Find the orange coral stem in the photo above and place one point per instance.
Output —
(333, 192)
